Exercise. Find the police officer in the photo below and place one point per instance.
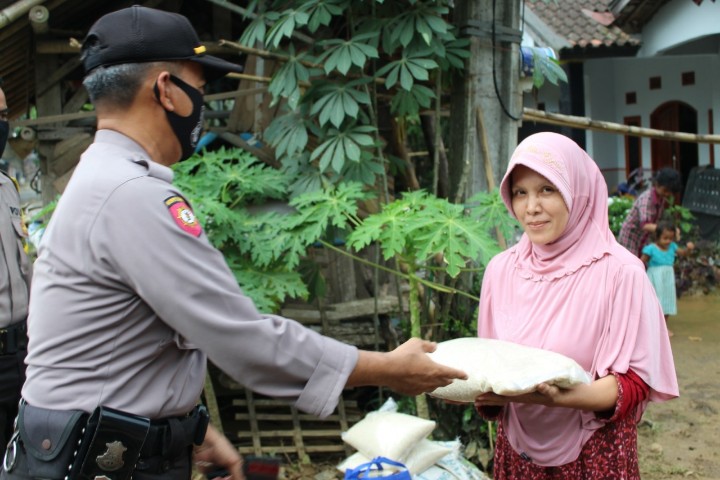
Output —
(15, 275)
(129, 296)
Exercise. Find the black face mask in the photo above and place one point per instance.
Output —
(186, 129)
(4, 132)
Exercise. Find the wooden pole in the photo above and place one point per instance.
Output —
(482, 138)
(585, 123)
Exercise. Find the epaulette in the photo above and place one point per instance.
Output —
(14, 180)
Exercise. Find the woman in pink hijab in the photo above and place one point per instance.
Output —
(569, 287)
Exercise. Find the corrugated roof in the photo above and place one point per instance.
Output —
(585, 24)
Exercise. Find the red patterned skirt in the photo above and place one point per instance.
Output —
(611, 453)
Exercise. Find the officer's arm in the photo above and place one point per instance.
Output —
(407, 369)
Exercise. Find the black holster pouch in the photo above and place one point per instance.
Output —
(49, 438)
(110, 446)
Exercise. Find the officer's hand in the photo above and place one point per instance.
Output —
(414, 372)
(217, 452)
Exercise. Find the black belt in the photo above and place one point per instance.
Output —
(170, 437)
(13, 338)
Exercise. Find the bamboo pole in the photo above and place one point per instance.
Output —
(585, 123)
(264, 53)
(482, 138)
(16, 10)
(67, 117)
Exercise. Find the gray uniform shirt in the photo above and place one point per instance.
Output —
(128, 297)
(16, 269)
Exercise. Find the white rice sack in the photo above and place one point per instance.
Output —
(420, 458)
(452, 466)
(388, 434)
(502, 367)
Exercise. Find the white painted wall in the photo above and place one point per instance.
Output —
(678, 22)
(608, 80)
(601, 94)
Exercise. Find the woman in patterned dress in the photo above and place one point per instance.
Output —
(569, 287)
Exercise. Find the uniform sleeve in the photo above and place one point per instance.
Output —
(148, 235)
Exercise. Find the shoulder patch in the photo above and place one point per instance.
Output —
(183, 215)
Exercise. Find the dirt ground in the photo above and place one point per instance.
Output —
(679, 439)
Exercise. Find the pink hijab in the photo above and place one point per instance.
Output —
(584, 296)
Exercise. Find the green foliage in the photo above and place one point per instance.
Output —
(265, 247)
(362, 53)
(681, 217)
(489, 209)
(618, 208)
(546, 68)
(419, 226)
(222, 186)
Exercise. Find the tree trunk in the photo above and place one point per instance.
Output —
(490, 82)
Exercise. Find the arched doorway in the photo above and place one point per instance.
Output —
(682, 156)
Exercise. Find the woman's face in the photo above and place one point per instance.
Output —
(538, 205)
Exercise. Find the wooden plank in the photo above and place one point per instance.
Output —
(67, 152)
(253, 423)
(60, 183)
(61, 133)
(281, 428)
(343, 311)
(58, 75)
(298, 434)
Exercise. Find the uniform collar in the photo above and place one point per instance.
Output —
(136, 152)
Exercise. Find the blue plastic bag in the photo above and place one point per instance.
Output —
(374, 469)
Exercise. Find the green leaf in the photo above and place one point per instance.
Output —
(546, 68)
(286, 81)
(340, 146)
(285, 26)
(255, 32)
(488, 209)
(343, 54)
(408, 103)
(288, 134)
(337, 102)
(406, 78)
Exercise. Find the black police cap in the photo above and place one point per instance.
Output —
(140, 34)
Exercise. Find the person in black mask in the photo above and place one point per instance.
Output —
(15, 272)
(129, 297)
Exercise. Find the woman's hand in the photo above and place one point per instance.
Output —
(598, 396)
(216, 452)
(545, 394)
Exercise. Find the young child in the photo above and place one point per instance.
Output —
(659, 258)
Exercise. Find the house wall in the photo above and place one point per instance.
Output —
(607, 81)
(678, 22)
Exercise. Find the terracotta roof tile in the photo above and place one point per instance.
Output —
(581, 22)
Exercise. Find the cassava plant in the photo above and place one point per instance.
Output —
(361, 58)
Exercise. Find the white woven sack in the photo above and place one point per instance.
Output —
(420, 458)
(502, 367)
(388, 434)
